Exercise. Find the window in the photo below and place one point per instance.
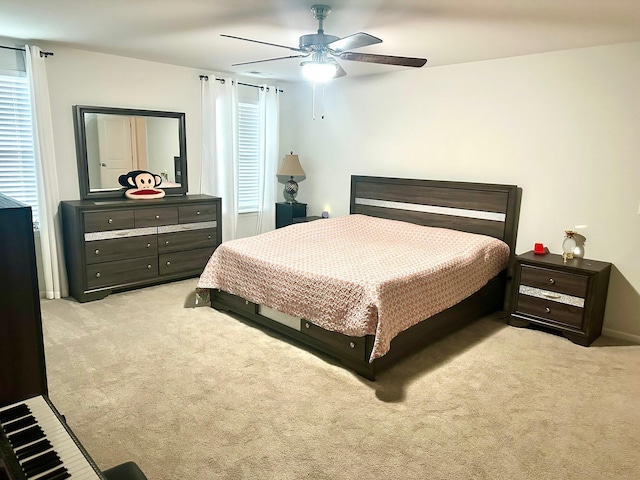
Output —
(248, 157)
(17, 164)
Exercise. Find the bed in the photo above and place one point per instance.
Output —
(372, 287)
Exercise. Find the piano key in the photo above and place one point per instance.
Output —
(25, 436)
(18, 424)
(73, 462)
(57, 474)
(30, 450)
(13, 413)
(41, 463)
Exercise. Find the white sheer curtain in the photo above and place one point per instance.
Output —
(220, 148)
(268, 102)
(51, 253)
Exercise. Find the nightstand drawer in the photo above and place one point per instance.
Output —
(547, 309)
(554, 280)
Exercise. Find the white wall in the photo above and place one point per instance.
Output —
(560, 125)
(78, 77)
(563, 126)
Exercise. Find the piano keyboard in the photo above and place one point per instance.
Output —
(36, 444)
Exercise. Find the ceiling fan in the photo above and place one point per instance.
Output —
(325, 49)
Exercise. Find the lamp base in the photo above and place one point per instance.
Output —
(290, 191)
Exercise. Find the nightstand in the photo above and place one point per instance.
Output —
(286, 213)
(565, 296)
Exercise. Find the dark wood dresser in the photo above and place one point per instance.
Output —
(568, 297)
(113, 245)
(22, 364)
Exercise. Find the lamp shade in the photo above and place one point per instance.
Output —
(319, 71)
(291, 166)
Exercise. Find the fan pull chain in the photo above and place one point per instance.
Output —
(313, 101)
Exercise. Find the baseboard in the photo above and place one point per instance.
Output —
(607, 332)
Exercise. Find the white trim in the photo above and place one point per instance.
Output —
(608, 332)
(457, 212)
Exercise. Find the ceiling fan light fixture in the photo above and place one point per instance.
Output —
(319, 71)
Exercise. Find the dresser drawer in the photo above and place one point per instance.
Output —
(546, 309)
(152, 217)
(120, 248)
(204, 212)
(554, 280)
(121, 272)
(187, 240)
(344, 344)
(183, 262)
(111, 220)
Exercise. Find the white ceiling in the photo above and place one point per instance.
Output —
(187, 32)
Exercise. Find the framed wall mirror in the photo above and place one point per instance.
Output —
(113, 141)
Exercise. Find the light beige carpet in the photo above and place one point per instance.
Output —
(191, 393)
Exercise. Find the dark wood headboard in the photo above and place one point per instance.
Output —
(487, 209)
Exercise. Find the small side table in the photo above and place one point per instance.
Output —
(566, 296)
(286, 213)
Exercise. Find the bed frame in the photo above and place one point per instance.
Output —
(487, 209)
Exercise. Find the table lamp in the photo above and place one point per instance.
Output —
(291, 167)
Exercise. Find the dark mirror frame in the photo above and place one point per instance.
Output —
(79, 112)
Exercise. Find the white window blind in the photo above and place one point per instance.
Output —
(17, 165)
(248, 157)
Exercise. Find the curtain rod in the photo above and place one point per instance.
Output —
(222, 80)
(42, 54)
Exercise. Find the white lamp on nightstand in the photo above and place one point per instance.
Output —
(291, 168)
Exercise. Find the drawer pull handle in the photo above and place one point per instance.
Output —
(307, 325)
(110, 220)
(157, 217)
(246, 302)
(547, 309)
(167, 242)
(97, 252)
(550, 295)
(352, 344)
(148, 267)
(97, 274)
(208, 237)
(168, 263)
(198, 212)
(552, 281)
(148, 245)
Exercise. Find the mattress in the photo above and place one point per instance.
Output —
(357, 275)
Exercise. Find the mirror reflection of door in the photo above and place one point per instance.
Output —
(122, 147)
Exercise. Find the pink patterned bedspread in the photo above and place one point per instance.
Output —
(357, 275)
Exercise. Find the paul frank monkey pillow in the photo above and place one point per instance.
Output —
(141, 184)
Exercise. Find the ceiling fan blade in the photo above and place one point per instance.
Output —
(270, 59)
(263, 43)
(357, 40)
(383, 59)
